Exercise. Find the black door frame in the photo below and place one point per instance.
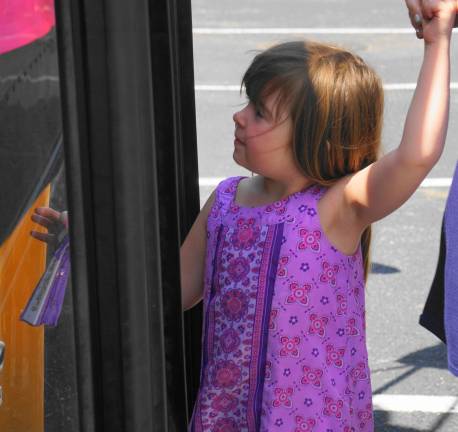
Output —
(127, 90)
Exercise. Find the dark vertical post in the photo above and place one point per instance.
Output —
(171, 29)
(125, 94)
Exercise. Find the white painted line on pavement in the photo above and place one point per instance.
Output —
(309, 30)
(412, 86)
(436, 182)
(427, 183)
(386, 87)
(415, 403)
(217, 88)
(210, 181)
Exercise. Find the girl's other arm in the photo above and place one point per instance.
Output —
(192, 258)
(385, 185)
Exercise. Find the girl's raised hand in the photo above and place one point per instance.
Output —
(433, 19)
(52, 220)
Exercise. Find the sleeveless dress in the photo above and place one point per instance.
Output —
(284, 346)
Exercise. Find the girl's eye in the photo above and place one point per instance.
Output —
(258, 113)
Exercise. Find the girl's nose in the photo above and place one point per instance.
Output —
(238, 118)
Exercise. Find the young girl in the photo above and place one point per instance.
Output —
(281, 258)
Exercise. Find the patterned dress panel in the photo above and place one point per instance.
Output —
(237, 312)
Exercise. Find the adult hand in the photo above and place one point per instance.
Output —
(53, 221)
(418, 9)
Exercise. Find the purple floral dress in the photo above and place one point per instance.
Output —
(284, 326)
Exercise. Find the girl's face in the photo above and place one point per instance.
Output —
(262, 143)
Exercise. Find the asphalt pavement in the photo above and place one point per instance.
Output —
(413, 391)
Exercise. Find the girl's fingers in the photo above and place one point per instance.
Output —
(48, 212)
(47, 238)
(43, 221)
(51, 217)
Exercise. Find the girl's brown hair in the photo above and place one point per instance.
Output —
(335, 101)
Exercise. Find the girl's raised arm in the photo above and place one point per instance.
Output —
(192, 258)
(385, 185)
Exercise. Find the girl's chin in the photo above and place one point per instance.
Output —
(239, 162)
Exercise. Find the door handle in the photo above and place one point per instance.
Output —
(2, 354)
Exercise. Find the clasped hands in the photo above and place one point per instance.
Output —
(432, 18)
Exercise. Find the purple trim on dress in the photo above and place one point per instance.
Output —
(210, 319)
(265, 292)
(207, 346)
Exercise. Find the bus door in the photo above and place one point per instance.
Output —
(114, 144)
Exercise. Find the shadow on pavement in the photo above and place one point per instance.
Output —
(378, 268)
(382, 420)
(430, 357)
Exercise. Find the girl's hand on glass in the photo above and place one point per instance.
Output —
(54, 221)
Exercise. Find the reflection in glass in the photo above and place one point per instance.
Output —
(31, 176)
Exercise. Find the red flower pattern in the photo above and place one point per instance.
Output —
(334, 356)
(226, 425)
(312, 376)
(364, 416)
(282, 269)
(358, 373)
(298, 294)
(309, 239)
(283, 397)
(318, 324)
(224, 402)
(234, 304)
(304, 425)
(290, 346)
(226, 374)
(279, 207)
(272, 319)
(230, 340)
(332, 407)
(342, 304)
(350, 328)
(238, 268)
(268, 374)
(329, 273)
(246, 234)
